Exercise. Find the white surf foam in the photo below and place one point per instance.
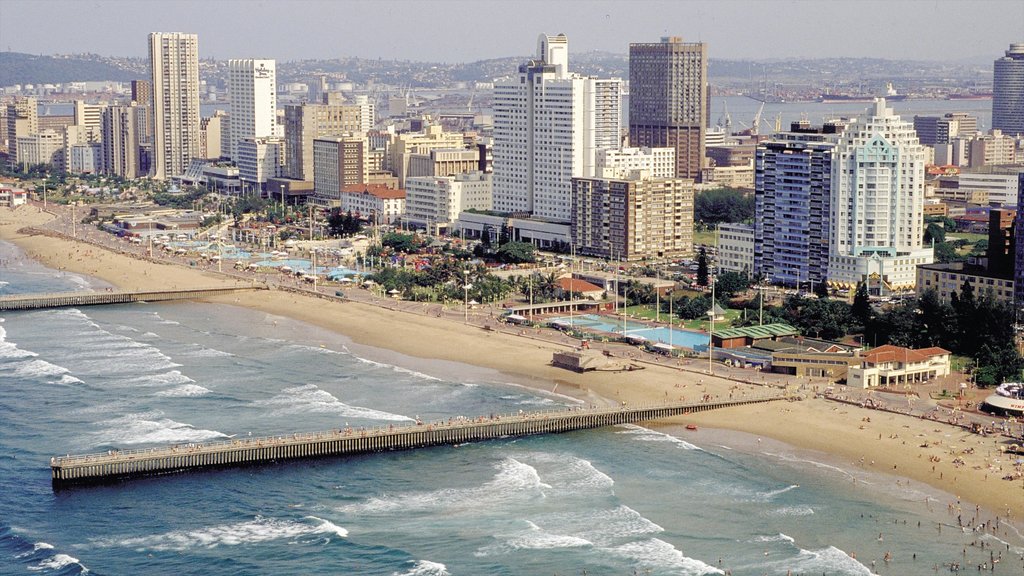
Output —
(184, 391)
(659, 555)
(533, 537)
(203, 352)
(253, 531)
(515, 482)
(310, 398)
(425, 568)
(150, 428)
(647, 435)
(168, 378)
(38, 369)
(56, 562)
(830, 560)
(791, 511)
(571, 474)
(398, 369)
(780, 537)
(10, 349)
(68, 379)
(603, 527)
(773, 493)
(36, 548)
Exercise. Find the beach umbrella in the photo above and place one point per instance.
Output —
(393, 291)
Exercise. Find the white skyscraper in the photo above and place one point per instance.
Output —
(252, 86)
(548, 124)
(877, 204)
(174, 61)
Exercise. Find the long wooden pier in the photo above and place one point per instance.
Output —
(66, 299)
(127, 464)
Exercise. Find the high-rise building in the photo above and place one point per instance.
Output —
(658, 162)
(1008, 91)
(252, 86)
(304, 123)
(933, 130)
(634, 217)
(339, 162)
(22, 120)
(668, 105)
(435, 202)
(548, 124)
(792, 188)
(260, 159)
(1018, 266)
(174, 59)
(142, 92)
(211, 135)
(121, 141)
(877, 204)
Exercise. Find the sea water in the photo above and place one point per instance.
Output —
(620, 500)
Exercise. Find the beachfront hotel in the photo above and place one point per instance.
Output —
(877, 203)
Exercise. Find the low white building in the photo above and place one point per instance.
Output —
(259, 159)
(735, 250)
(373, 202)
(435, 202)
(11, 196)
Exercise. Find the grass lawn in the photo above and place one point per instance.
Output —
(707, 238)
(646, 311)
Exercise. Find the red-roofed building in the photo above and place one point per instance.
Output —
(583, 288)
(373, 202)
(11, 196)
(891, 366)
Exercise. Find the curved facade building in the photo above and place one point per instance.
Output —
(1008, 91)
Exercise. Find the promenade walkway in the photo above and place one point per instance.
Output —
(121, 465)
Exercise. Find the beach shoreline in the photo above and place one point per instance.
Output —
(878, 442)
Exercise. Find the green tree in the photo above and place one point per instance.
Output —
(861, 309)
(729, 284)
(693, 308)
(401, 242)
(702, 267)
(934, 232)
(723, 205)
(946, 252)
(515, 253)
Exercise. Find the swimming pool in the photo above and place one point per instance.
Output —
(663, 334)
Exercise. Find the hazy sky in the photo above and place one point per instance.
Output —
(463, 31)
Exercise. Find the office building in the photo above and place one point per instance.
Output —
(403, 147)
(211, 135)
(657, 162)
(142, 92)
(668, 83)
(935, 130)
(877, 200)
(22, 121)
(632, 218)
(174, 61)
(252, 86)
(338, 162)
(306, 122)
(46, 147)
(1008, 91)
(435, 202)
(734, 250)
(548, 123)
(373, 202)
(994, 185)
(443, 162)
(792, 194)
(260, 159)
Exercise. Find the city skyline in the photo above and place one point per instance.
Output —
(438, 30)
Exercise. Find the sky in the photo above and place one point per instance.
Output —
(456, 31)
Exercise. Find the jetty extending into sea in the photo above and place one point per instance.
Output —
(116, 465)
(68, 299)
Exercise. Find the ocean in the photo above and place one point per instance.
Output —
(617, 501)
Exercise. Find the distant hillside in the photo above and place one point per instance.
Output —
(18, 68)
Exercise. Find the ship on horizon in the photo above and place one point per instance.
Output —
(890, 94)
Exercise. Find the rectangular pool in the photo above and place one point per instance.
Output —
(673, 336)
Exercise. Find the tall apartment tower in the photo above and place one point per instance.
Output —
(668, 104)
(877, 204)
(1008, 91)
(792, 187)
(252, 86)
(22, 120)
(548, 124)
(174, 59)
(120, 136)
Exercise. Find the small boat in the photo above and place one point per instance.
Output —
(691, 427)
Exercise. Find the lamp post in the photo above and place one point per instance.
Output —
(465, 289)
(46, 176)
(282, 202)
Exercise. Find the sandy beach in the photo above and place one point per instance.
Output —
(899, 446)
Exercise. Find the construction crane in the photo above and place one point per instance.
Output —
(755, 125)
(727, 124)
